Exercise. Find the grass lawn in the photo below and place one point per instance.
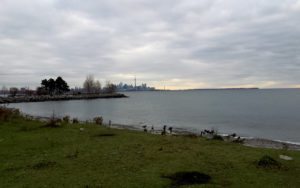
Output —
(35, 156)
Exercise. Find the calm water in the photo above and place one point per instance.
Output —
(272, 114)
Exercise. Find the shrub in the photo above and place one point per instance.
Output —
(4, 114)
(8, 113)
(239, 140)
(53, 122)
(66, 119)
(75, 121)
(98, 120)
(217, 137)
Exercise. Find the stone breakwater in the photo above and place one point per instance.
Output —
(43, 98)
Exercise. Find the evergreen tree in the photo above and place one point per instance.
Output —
(61, 86)
(51, 86)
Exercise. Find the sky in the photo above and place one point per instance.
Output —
(179, 44)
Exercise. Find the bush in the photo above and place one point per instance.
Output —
(98, 120)
(66, 119)
(217, 137)
(53, 122)
(75, 121)
(4, 114)
(239, 140)
(8, 113)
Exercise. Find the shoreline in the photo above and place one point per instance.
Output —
(44, 98)
(273, 144)
(246, 141)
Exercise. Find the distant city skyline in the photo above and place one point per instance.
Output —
(172, 43)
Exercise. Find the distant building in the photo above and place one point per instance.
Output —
(129, 87)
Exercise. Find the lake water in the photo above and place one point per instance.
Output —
(272, 114)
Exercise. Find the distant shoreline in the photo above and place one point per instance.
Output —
(44, 98)
(207, 89)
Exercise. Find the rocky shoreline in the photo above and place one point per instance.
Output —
(273, 144)
(43, 98)
(246, 141)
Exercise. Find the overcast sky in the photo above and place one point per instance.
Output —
(177, 43)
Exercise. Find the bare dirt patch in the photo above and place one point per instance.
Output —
(188, 178)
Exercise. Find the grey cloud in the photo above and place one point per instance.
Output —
(210, 43)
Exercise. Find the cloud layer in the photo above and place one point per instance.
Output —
(180, 44)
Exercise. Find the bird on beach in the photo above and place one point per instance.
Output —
(145, 128)
(209, 132)
(164, 130)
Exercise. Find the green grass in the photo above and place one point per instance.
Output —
(36, 156)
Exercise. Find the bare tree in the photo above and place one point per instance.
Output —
(110, 87)
(89, 83)
(97, 86)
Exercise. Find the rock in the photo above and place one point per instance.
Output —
(18, 99)
(284, 157)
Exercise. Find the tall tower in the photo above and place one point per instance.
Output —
(135, 82)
